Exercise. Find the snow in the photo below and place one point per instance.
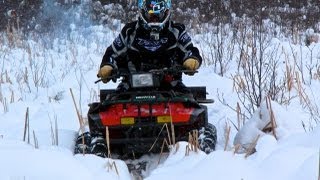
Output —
(41, 74)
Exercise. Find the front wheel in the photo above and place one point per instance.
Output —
(208, 138)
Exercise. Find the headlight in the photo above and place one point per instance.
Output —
(142, 80)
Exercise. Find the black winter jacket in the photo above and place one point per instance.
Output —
(135, 44)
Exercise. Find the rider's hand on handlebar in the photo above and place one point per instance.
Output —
(191, 64)
(105, 72)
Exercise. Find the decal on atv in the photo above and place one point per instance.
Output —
(149, 97)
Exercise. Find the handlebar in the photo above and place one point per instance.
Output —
(171, 70)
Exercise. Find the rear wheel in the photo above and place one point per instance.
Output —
(87, 144)
(82, 145)
(208, 138)
(99, 146)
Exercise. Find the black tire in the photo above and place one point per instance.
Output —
(208, 138)
(99, 147)
(82, 145)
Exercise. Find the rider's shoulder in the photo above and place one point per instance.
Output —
(129, 26)
(179, 26)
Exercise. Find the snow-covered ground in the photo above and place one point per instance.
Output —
(38, 74)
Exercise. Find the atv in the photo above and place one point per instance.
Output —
(133, 120)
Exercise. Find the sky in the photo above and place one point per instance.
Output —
(37, 75)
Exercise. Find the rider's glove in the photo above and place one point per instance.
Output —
(191, 64)
(105, 72)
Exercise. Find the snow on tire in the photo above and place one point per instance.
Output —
(208, 138)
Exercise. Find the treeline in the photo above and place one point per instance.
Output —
(300, 14)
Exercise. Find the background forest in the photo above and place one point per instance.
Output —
(292, 14)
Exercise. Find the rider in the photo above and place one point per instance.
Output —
(154, 41)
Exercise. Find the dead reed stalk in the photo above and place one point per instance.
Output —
(239, 115)
(196, 140)
(239, 84)
(12, 97)
(193, 142)
(52, 134)
(165, 142)
(108, 141)
(177, 148)
(289, 76)
(169, 137)
(172, 128)
(111, 166)
(251, 149)
(236, 148)
(81, 123)
(227, 136)
(26, 133)
(155, 141)
(57, 132)
(173, 134)
(304, 99)
(5, 105)
(77, 111)
(187, 150)
(7, 77)
(272, 117)
(35, 140)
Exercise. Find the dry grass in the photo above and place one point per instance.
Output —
(316, 74)
(237, 147)
(5, 105)
(289, 76)
(108, 141)
(172, 130)
(26, 132)
(165, 142)
(112, 165)
(272, 120)
(305, 100)
(54, 132)
(35, 140)
(239, 117)
(81, 123)
(156, 140)
(193, 141)
(239, 84)
(227, 136)
(252, 146)
(80, 120)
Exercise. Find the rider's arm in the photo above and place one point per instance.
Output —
(116, 52)
(185, 45)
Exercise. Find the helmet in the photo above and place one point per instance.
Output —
(154, 13)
